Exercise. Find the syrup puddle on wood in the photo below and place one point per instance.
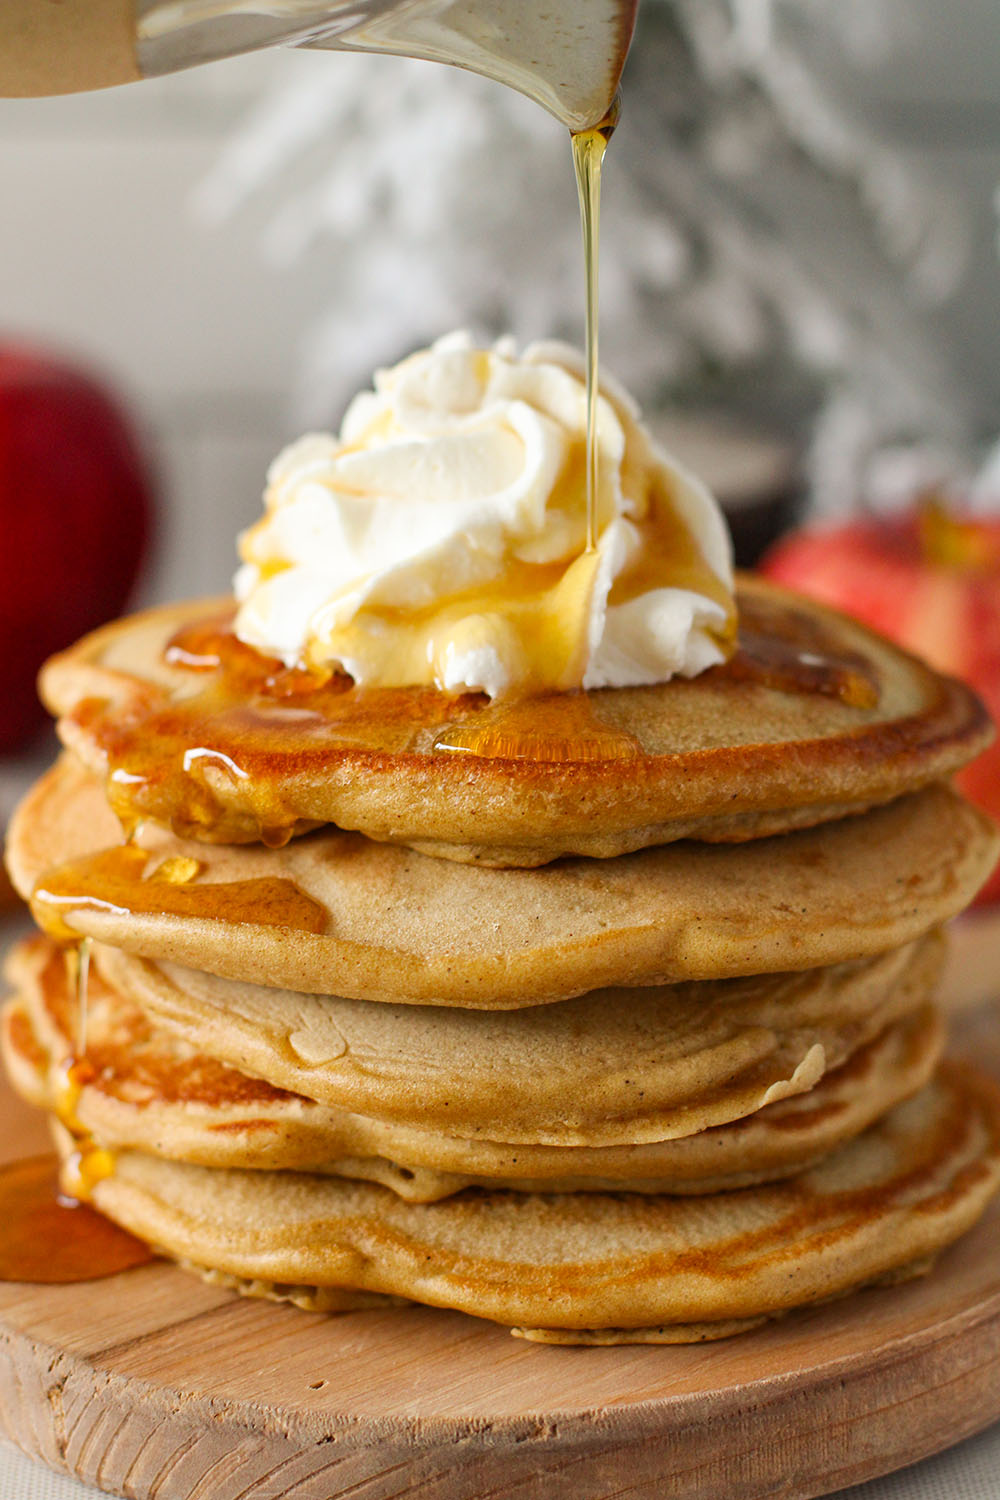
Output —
(48, 1238)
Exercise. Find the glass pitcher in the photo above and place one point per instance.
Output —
(568, 57)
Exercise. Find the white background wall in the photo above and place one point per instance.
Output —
(100, 256)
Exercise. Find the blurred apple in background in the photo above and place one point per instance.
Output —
(929, 579)
(75, 511)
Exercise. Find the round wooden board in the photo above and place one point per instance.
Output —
(152, 1385)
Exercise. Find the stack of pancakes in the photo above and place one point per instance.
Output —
(607, 1016)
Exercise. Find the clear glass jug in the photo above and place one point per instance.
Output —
(566, 56)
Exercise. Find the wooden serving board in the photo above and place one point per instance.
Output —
(152, 1385)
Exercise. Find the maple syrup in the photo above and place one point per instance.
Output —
(48, 1231)
(45, 1237)
(274, 722)
(88, 1163)
(589, 147)
(81, 981)
(790, 651)
(559, 727)
(261, 725)
(113, 880)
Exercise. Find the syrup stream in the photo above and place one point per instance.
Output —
(82, 993)
(589, 147)
(89, 1163)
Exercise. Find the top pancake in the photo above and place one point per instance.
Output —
(815, 717)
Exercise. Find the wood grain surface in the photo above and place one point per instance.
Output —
(151, 1385)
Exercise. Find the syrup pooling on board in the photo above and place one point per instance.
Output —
(46, 1238)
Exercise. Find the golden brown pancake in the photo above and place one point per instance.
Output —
(611, 1068)
(333, 1300)
(614, 1067)
(815, 717)
(899, 1193)
(671, 1333)
(336, 912)
(152, 1091)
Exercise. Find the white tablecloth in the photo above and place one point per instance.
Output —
(970, 1471)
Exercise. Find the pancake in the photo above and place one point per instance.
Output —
(151, 1091)
(332, 1300)
(814, 718)
(608, 1069)
(585, 1261)
(336, 912)
(678, 1333)
(614, 1067)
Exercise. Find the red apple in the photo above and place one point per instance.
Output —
(930, 580)
(75, 505)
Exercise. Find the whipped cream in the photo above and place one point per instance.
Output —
(441, 538)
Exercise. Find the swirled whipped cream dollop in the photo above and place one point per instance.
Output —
(441, 538)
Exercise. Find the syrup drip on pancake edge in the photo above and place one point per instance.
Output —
(88, 1163)
(41, 1206)
(117, 880)
(48, 1231)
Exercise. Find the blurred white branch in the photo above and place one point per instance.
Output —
(750, 225)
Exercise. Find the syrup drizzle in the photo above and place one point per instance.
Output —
(88, 1163)
(589, 147)
(82, 965)
(48, 1231)
(559, 728)
(112, 880)
(789, 651)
